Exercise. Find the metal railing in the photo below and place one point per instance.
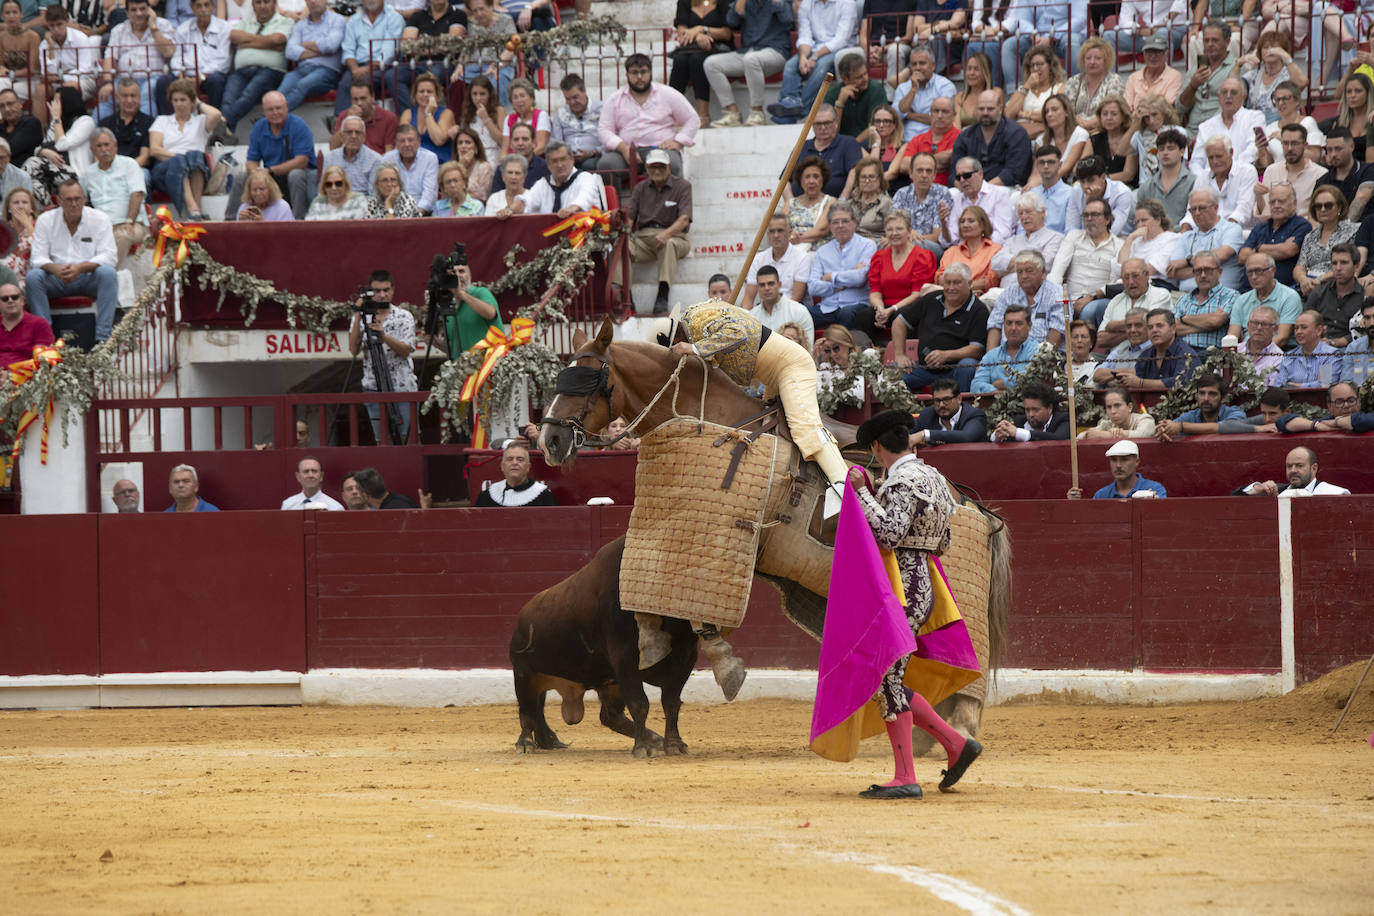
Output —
(147, 363)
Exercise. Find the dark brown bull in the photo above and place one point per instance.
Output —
(573, 637)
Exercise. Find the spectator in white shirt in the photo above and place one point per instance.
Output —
(1233, 181)
(74, 254)
(139, 48)
(419, 167)
(792, 262)
(1234, 121)
(311, 478)
(565, 190)
(774, 309)
(202, 54)
(69, 57)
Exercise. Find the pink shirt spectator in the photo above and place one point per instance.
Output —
(17, 345)
(665, 115)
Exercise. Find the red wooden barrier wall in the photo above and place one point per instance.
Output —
(1172, 585)
(1195, 466)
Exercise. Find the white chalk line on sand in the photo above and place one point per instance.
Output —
(967, 896)
(1209, 799)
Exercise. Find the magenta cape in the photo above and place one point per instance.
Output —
(866, 631)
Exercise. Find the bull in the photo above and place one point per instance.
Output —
(574, 637)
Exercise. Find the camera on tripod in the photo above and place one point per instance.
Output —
(367, 304)
(439, 291)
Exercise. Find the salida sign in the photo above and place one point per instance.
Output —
(293, 343)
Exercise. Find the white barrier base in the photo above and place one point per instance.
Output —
(486, 686)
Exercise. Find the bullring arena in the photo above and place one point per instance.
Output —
(1237, 808)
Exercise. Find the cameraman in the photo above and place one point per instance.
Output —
(395, 330)
(475, 307)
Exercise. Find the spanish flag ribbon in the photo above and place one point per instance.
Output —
(497, 343)
(580, 224)
(177, 232)
(24, 371)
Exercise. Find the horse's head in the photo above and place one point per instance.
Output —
(582, 406)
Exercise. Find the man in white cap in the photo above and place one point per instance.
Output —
(658, 213)
(1124, 458)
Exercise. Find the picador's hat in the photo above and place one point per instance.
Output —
(880, 423)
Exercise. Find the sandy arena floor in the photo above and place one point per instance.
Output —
(1253, 808)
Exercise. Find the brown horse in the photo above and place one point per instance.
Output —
(648, 385)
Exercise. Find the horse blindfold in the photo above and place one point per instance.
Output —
(581, 381)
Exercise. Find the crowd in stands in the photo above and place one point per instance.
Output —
(973, 169)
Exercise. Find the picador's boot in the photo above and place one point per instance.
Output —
(729, 671)
(654, 644)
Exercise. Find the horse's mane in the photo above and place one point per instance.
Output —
(719, 385)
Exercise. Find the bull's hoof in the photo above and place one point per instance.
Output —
(674, 748)
(654, 739)
(643, 751)
(525, 745)
(573, 707)
(529, 743)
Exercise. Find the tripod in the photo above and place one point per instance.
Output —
(381, 372)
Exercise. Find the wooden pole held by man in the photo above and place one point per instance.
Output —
(777, 192)
(1072, 395)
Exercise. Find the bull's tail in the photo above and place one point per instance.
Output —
(999, 589)
(529, 644)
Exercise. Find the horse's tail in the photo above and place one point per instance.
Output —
(999, 588)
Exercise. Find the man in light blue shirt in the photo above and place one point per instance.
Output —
(1003, 363)
(1265, 291)
(370, 41)
(1124, 459)
(913, 97)
(1212, 233)
(1314, 363)
(1043, 298)
(839, 272)
(1357, 362)
(1054, 192)
(419, 167)
(825, 30)
(203, 52)
(314, 48)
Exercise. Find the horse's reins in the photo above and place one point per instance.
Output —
(589, 382)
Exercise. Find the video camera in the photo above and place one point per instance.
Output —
(367, 304)
(439, 291)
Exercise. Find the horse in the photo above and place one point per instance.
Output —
(648, 385)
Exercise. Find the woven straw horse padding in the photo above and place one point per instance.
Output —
(967, 567)
(685, 556)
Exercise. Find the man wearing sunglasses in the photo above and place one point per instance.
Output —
(970, 189)
(20, 331)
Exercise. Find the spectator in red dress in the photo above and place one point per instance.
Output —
(20, 331)
(898, 272)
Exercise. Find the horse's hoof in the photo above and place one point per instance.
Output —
(731, 678)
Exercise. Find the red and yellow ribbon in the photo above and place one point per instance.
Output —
(180, 233)
(24, 371)
(579, 224)
(497, 343)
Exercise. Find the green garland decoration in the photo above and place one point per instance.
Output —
(886, 383)
(570, 38)
(1047, 366)
(313, 313)
(73, 383)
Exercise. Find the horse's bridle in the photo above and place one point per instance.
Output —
(591, 383)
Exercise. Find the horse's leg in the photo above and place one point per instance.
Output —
(654, 643)
(613, 716)
(534, 729)
(728, 670)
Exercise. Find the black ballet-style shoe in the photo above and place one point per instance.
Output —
(877, 791)
(966, 757)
